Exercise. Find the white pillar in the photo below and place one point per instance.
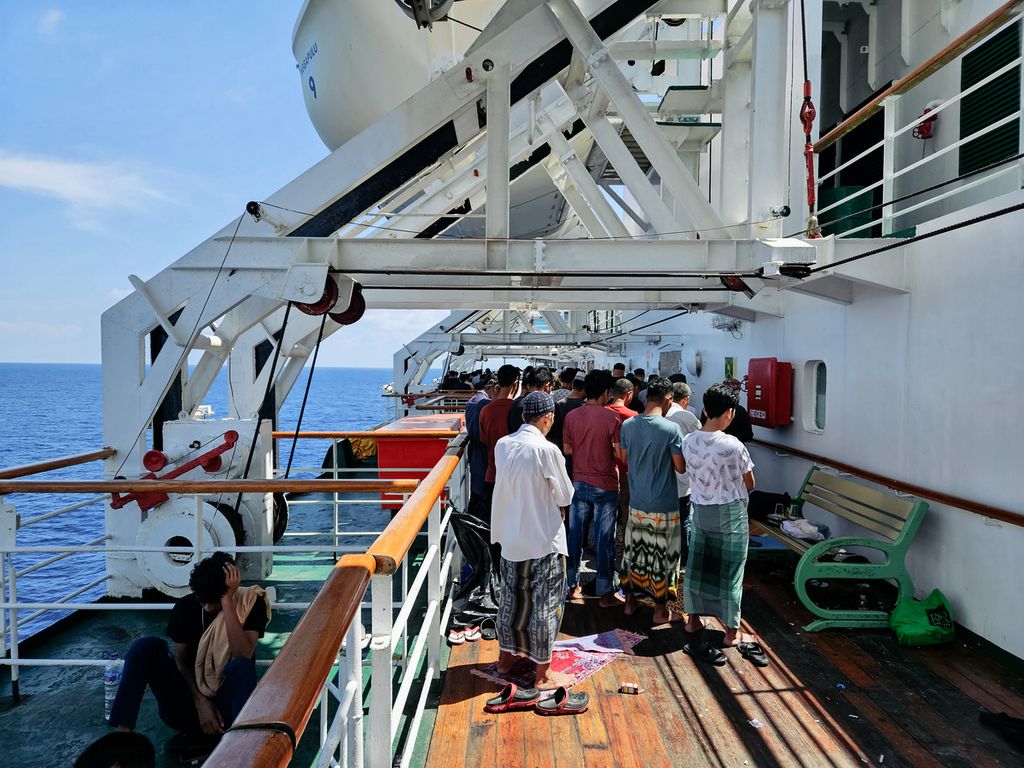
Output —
(769, 136)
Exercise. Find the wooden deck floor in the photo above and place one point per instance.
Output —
(897, 706)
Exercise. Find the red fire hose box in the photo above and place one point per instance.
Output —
(769, 392)
(412, 456)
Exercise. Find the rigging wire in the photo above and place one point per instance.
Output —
(184, 350)
(271, 382)
(451, 18)
(305, 394)
(907, 241)
(640, 328)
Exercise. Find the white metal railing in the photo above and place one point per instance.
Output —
(886, 213)
(424, 599)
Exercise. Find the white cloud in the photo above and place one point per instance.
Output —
(50, 22)
(88, 187)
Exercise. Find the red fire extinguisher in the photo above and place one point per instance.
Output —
(926, 128)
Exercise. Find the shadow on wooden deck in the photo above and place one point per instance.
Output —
(828, 700)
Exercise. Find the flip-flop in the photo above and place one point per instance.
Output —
(700, 649)
(456, 636)
(754, 653)
(472, 634)
(512, 698)
(564, 702)
(487, 629)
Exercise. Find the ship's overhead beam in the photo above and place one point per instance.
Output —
(621, 258)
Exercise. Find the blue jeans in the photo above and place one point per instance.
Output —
(149, 662)
(590, 502)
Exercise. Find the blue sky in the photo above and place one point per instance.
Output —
(129, 133)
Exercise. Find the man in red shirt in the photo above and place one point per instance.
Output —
(591, 437)
(494, 426)
(620, 396)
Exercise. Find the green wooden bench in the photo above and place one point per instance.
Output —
(895, 519)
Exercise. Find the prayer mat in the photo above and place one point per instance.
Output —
(578, 657)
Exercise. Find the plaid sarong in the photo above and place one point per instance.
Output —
(530, 606)
(718, 554)
(651, 557)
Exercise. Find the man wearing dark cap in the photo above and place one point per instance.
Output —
(531, 492)
(494, 426)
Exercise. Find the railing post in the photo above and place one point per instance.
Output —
(354, 674)
(381, 673)
(890, 112)
(334, 445)
(434, 586)
(13, 591)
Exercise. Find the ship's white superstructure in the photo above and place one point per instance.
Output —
(577, 166)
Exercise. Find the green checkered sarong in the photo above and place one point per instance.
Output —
(718, 554)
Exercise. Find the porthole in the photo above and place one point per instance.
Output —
(815, 395)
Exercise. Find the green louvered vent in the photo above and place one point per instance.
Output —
(990, 103)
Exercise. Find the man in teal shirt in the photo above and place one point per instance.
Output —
(652, 448)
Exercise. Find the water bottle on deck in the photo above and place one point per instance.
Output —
(111, 680)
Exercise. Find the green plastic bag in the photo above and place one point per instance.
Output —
(923, 622)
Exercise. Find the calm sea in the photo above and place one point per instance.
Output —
(55, 410)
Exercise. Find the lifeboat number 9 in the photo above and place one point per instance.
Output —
(312, 86)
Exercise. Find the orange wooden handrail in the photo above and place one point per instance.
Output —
(389, 434)
(394, 541)
(980, 30)
(291, 687)
(959, 502)
(60, 463)
(206, 486)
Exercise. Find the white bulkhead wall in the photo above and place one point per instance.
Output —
(921, 388)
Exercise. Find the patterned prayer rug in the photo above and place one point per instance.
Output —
(579, 657)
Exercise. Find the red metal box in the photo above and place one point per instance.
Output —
(769, 392)
(412, 457)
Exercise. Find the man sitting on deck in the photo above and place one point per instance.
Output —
(204, 685)
(531, 492)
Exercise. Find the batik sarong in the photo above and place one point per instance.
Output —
(650, 560)
(530, 606)
(718, 555)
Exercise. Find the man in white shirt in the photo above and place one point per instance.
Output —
(531, 492)
(680, 413)
(721, 476)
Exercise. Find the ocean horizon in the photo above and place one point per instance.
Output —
(56, 409)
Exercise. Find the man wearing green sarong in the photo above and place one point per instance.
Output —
(721, 476)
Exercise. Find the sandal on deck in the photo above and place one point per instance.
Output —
(488, 630)
(700, 649)
(754, 653)
(456, 636)
(564, 702)
(512, 698)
